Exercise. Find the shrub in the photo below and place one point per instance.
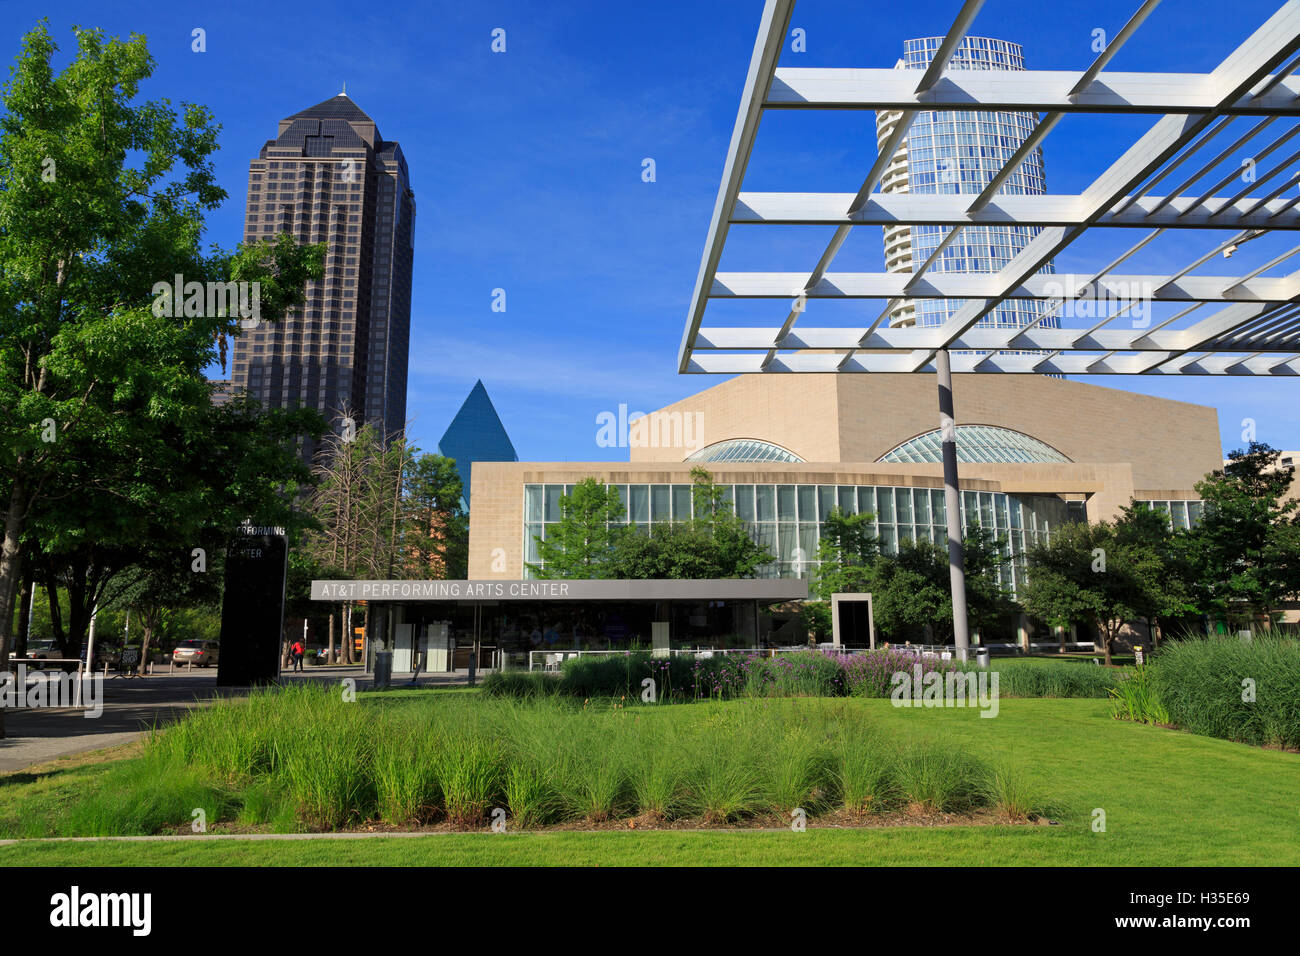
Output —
(606, 675)
(807, 674)
(521, 684)
(1202, 683)
(1053, 679)
(871, 675)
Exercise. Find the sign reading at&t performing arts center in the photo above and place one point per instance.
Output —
(707, 589)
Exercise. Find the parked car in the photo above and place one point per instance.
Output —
(106, 653)
(202, 653)
(43, 650)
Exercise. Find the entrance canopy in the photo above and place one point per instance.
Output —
(706, 589)
(1217, 169)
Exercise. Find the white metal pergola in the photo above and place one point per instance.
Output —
(1180, 175)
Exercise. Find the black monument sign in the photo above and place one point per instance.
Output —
(252, 608)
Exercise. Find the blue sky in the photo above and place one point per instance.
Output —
(527, 169)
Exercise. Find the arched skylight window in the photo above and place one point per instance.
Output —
(744, 449)
(977, 443)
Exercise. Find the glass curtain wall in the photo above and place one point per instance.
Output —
(786, 518)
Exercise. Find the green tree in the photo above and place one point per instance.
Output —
(986, 558)
(159, 490)
(713, 543)
(1089, 573)
(1156, 560)
(1245, 553)
(913, 589)
(436, 535)
(910, 592)
(670, 550)
(166, 584)
(582, 544)
(846, 552)
(105, 408)
(735, 552)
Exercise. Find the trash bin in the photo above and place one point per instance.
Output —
(982, 657)
(383, 669)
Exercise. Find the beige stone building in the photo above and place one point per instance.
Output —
(1033, 452)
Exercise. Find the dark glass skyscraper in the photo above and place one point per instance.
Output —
(329, 176)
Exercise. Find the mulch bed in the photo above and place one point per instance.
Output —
(914, 816)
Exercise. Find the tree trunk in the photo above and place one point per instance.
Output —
(56, 610)
(79, 600)
(365, 634)
(24, 615)
(349, 655)
(329, 651)
(11, 563)
(11, 569)
(152, 621)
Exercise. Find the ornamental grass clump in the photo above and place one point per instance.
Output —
(531, 796)
(329, 768)
(867, 774)
(454, 759)
(407, 786)
(1135, 698)
(801, 773)
(941, 778)
(1011, 791)
(1248, 691)
(1054, 679)
(521, 684)
(471, 776)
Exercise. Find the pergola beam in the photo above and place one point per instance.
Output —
(1020, 91)
(1247, 66)
(889, 209)
(1095, 339)
(1252, 329)
(719, 363)
(974, 285)
(767, 50)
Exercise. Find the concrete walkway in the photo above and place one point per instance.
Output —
(134, 705)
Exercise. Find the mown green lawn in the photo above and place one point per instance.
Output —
(1170, 799)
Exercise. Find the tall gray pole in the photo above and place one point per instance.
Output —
(952, 505)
